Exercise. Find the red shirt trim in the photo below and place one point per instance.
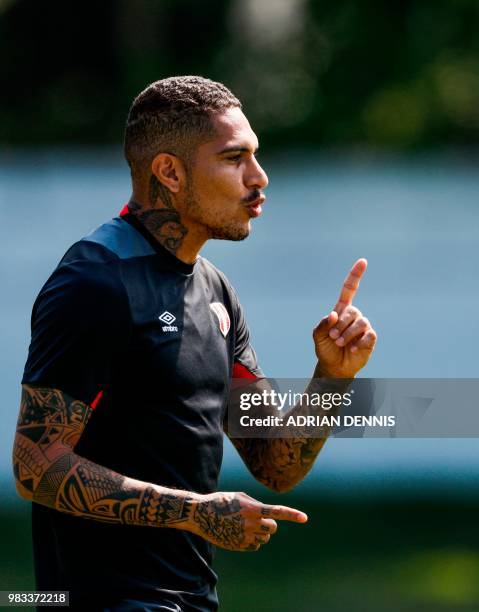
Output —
(96, 401)
(124, 211)
(241, 371)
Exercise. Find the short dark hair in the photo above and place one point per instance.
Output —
(174, 116)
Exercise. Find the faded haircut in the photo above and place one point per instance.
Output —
(174, 115)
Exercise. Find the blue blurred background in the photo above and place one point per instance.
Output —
(369, 125)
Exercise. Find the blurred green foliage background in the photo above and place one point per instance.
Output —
(402, 73)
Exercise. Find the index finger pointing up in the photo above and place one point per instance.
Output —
(350, 285)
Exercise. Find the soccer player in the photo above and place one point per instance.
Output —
(135, 341)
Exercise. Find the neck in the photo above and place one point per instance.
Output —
(158, 213)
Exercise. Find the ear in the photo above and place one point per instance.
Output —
(170, 171)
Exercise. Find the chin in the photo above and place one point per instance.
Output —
(234, 233)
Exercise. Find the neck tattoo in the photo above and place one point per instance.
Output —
(161, 218)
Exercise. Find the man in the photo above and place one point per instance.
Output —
(135, 341)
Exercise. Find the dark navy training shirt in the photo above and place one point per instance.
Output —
(151, 343)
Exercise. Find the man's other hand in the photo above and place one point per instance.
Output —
(236, 521)
(345, 339)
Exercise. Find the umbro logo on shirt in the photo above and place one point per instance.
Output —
(168, 318)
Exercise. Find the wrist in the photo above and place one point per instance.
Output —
(173, 508)
(321, 371)
(192, 502)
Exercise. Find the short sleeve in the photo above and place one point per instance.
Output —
(80, 322)
(245, 360)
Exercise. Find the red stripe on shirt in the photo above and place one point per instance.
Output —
(96, 401)
(124, 211)
(242, 376)
(241, 371)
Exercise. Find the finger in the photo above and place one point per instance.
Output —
(323, 327)
(283, 513)
(262, 538)
(366, 342)
(356, 329)
(268, 525)
(349, 314)
(350, 285)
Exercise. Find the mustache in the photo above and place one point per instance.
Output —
(254, 195)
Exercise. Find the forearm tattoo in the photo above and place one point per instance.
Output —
(46, 467)
(221, 521)
(280, 463)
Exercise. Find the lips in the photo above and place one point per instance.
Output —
(254, 207)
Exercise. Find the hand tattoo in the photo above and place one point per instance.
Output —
(221, 521)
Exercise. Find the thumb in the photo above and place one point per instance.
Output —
(323, 327)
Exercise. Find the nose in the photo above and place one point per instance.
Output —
(257, 177)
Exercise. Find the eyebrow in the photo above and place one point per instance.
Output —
(238, 149)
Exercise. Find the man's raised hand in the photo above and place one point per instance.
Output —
(236, 521)
(345, 339)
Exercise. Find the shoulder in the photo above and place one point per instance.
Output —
(87, 278)
(84, 268)
(224, 287)
(120, 239)
(112, 241)
(212, 272)
(83, 293)
(94, 262)
(81, 297)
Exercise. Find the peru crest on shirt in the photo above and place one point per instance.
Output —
(223, 317)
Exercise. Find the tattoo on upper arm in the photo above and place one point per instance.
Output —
(49, 426)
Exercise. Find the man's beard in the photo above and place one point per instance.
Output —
(216, 230)
(231, 232)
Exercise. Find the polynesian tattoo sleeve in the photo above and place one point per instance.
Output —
(48, 471)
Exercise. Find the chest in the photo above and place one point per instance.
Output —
(182, 330)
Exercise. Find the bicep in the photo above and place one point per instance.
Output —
(50, 423)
